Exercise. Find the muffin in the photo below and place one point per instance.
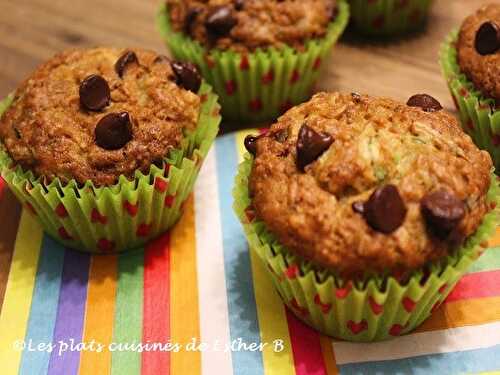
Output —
(388, 18)
(261, 56)
(104, 145)
(366, 211)
(470, 60)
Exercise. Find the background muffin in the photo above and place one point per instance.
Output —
(261, 56)
(471, 65)
(352, 189)
(109, 125)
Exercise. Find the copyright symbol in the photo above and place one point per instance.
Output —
(19, 345)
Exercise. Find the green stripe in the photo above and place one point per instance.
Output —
(489, 261)
(128, 316)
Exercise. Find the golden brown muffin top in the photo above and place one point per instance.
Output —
(478, 48)
(100, 113)
(244, 25)
(360, 184)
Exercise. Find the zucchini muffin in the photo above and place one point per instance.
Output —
(471, 64)
(261, 56)
(104, 145)
(363, 188)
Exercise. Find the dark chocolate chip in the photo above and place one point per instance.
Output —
(160, 59)
(358, 207)
(487, 39)
(333, 12)
(94, 93)
(356, 97)
(385, 211)
(191, 16)
(127, 58)
(281, 136)
(187, 76)
(113, 131)
(251, 144)
(311, 145)
(220, 21)
(239, 4)
(424, 101)
(442, 211)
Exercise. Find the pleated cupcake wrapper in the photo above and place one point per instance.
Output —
(128, 214)
(257, 86)
(478, 115)
(388, 17)
(373, 309)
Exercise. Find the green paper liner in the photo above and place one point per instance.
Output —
(128, 214)
(388, 17)
(373, 309)
(478, 115)
(258, 86)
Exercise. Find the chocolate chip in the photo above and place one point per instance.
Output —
(356, 97)
(385, 211)
(94, 93)
(251, 144)
(333, 12)
(239, 4)
(187, 76)
(160, 59)
(424, 101)
(310, 146)
(281, 136)
(487, 39)
(127, 58)
(113, 131)
(358, 207)
(220, 21)
(442, 211)
(191, 16)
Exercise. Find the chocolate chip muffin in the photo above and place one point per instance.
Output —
(362, 185)
(101, 113)
(478, 48)
(244, 25)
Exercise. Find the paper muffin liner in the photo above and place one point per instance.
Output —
(373, 309)
(388, 17)
(258, 86)
(478, 115)
(128, 214)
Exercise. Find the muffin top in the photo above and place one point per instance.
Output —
(244, 25)
(478, 48)
(100, 113)
(359, 184)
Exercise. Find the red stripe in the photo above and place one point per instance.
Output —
(477, 285)
(156, 319)
(306, 347)
(2, 186)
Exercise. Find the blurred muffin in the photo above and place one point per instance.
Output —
(364, 189)
(471, 65)
(92, 122)
(261, 56)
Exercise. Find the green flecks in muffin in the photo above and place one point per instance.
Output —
(380, 173)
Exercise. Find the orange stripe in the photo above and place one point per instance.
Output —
(184, 303)
(463, 313)
(99, 315)
(328, 355)
(495, 240)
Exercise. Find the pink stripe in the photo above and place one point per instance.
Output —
(477, 285)
(2, 186)
(306, 347)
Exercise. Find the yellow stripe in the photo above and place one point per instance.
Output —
(100, 314)
(270, 310)
(495, 241)
(184, 302)
(19, 291)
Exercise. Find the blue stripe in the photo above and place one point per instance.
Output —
(43, 307)
(239, 283)
(472, 361)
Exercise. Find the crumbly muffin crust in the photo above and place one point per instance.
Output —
(244, 25)
(483, 70)
(375, 142)
(47, 129)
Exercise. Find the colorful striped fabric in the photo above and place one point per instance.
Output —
(199, 285)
